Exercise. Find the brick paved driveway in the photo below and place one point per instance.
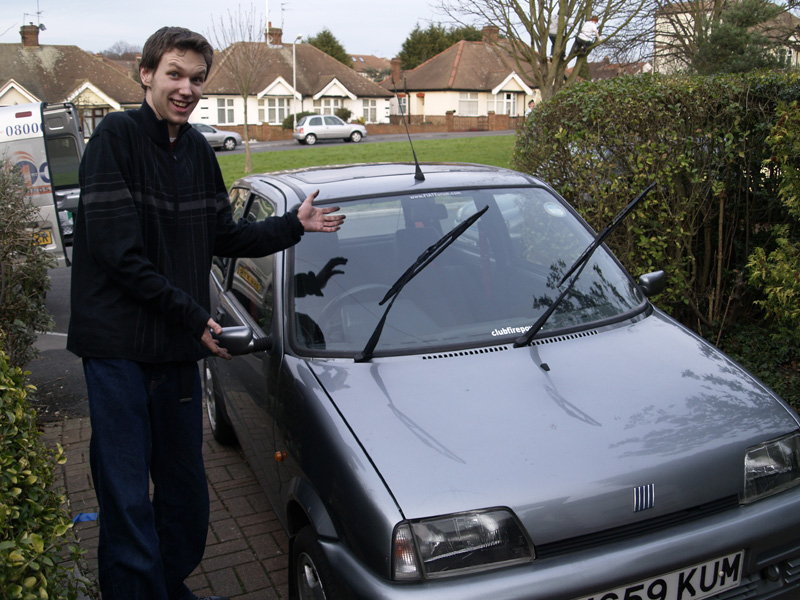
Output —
(246, 553)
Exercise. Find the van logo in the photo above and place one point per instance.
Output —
(644, 497)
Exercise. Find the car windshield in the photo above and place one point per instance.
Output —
(488, 287)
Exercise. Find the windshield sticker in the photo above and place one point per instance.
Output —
(435, 195)
(510, 330)
(555, 210)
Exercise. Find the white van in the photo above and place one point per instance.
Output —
(45, 142)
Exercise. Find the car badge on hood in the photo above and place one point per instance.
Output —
(644, 497)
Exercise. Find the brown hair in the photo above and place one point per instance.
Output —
(170, 38)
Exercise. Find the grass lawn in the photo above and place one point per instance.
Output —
(489, 150)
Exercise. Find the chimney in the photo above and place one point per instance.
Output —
(397, 72)
(491, 33)
(30, 35)
(274, 35)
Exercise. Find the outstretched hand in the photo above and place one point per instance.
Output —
(209, 342)
(314, 218)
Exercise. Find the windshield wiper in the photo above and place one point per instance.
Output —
(423, 260)
(578, 265)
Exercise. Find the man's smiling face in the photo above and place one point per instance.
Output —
(175, 87)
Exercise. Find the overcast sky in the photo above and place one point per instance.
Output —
(377, 27)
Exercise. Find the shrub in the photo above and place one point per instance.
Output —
(35, 526)
(23, 270)
(703, 141)
(288, 122)
(776, 270)
(343, 113)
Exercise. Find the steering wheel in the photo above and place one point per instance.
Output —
(361, 294)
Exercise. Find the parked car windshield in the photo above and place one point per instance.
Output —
(488, 287)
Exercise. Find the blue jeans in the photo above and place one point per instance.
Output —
(147, 424)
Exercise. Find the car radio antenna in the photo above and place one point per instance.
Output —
(418, 175)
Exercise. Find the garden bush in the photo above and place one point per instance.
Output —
(23, 270)
(288, 122)
(37, 552)
(705, 142)
(343, 113)
(776, 268)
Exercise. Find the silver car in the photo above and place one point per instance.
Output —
(311, 128)
(218, 138)
(434, 414)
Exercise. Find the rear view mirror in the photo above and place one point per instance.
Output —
(239, 340)
(653, 283)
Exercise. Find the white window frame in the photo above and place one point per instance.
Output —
(327, 106)
(468, 104)
(225, 111)
(370, 108)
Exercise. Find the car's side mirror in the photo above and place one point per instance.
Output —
(239, 340)
(653, 283)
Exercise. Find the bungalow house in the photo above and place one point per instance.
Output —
(471, 80)
(605, 69)
(319, 84)
(372, 67)
(30, 72)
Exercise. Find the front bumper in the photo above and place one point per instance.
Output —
(768, 531)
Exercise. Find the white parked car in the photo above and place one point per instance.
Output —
(311, 128)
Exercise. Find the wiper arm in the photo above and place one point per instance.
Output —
(578, 265)
(422, 261)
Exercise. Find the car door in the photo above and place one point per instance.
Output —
(316, 126)
(248, 382)
(335, 128)
(212, 135)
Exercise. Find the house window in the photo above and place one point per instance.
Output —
(261, 113)
(402, 104)
(327, 106)
(468, 104)
(278, 109)
(92, 118)
(506, 104)
(224, 110)
(370, 110)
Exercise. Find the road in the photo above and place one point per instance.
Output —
(275, 146)
(57, 373)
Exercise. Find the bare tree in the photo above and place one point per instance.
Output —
(122, 50)
(525, 27)
(244, 57)
(686, 29)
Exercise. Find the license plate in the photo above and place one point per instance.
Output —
(43, 237)
(691, 583)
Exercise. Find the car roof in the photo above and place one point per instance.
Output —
(380, 179)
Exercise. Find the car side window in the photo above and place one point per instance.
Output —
(238, 198)
(332, 121)
(252, 282)
(315, 121)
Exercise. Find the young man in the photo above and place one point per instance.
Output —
(588, 35)
(153, 211)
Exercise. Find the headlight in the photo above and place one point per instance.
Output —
(771, 467)
(452, 544)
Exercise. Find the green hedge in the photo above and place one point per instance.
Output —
(709, 143)
(36, 550)
(704, 142)
(23, 270)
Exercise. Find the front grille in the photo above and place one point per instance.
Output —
(610, 536)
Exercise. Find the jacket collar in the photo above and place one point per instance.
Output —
(155, 128)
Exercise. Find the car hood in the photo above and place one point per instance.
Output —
(563, 431)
